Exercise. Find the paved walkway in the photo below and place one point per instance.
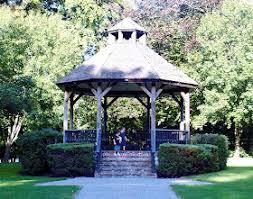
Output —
(124, 188)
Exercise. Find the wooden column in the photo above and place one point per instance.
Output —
(71, 112)
(153, 94)
(65, 114)
(120, 36)
(153, 119)
(99, 95)
(105, 115)
(186, 99)
(182, 115)
(148, 116)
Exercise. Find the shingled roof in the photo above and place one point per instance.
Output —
(127, 62)
(126, 24)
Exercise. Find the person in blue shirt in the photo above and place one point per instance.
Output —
(123, 138)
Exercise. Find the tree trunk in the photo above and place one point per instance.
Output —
(238, 132)
(7, 152)
(13, 131)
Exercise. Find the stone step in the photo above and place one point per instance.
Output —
(129, 163)
(123, 174)
(125, 160)
(127, 170)
(125, 164)
(127, 154)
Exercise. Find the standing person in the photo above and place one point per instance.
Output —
(117, 141)
(123, 138)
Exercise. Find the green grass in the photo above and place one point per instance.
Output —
(16, 186)
(232, 183)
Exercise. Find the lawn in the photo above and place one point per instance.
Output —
(236, 182)
(16, 186)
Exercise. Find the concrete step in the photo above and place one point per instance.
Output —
(123, 174)
(129, 163)
(125, 164)
(127, 154)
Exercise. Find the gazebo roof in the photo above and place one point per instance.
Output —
(126, 63)
(127, 24)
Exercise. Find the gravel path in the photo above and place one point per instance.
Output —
(124, 188)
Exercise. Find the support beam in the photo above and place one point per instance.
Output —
(71, 111)
(186, 99)
(99, 93)
(148, 116)
(77, 98)
(111, 102)
(153, 119)
(153, 94)
(65, 114)
(105, 114)
(182, 115)
(140, 100)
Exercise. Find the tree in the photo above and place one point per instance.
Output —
(15, 88)
(222, 64)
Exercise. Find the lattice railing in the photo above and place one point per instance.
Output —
(80, 136)
(170, 136)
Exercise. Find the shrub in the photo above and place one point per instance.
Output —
(177, 160)
(220, 141)
(71, 159)
(33, 150)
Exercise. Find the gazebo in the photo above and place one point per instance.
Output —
(127, 67)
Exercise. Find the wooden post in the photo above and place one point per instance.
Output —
(71, 112)
(65, 114)
(99, 94)
(186, 98)
(148, 116)
(153, 119)
(120, 36)
(134, 36)
(153, 95)
(182, 115)
(105, 115)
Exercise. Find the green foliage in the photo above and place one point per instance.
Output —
(220, 141)
(33, 153)
(71, 159)
(222, 64)
(177, 160)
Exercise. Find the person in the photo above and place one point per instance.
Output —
(117, 141)
(123, 138)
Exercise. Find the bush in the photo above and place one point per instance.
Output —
(220, 141)
(71, 159)
(177, 160)
(33, 150)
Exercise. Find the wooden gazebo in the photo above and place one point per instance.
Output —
(127, 67)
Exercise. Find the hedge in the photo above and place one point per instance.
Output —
(71, 159)
(33, 150)
(220, 141)
(177, 160)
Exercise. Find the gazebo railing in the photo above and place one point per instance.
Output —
(88, 135)
(174, 136)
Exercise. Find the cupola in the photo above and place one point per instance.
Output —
(127, 30)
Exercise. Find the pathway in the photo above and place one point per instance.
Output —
(124, 188)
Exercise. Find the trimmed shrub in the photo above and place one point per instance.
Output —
(71, 159)
(177, 160)
(33, 150)
(220, 141)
